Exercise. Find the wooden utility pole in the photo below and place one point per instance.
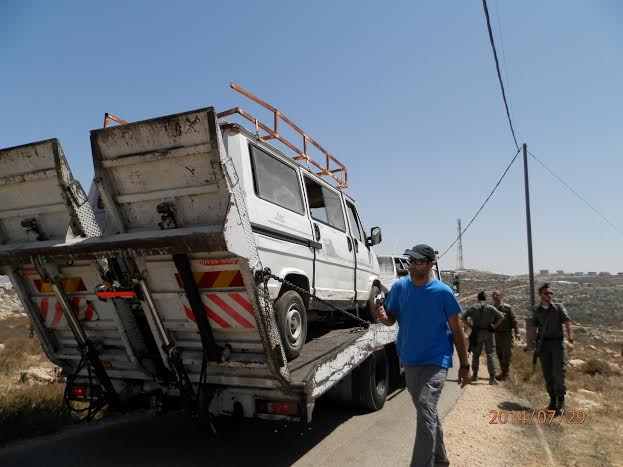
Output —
(529, 226)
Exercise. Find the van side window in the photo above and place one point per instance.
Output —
(324, 205)
(355, 226)
(276, 181)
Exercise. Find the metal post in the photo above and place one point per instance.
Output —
(529, 226)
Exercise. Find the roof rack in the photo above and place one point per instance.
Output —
(331, 167)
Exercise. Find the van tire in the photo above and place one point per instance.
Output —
(371, 382)
(368, 312)
(292, 323)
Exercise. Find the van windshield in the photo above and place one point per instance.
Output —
(386, 263)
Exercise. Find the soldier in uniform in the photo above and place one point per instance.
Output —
(503, 335)
(485, 320)
(549, 317)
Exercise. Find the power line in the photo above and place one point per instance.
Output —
(570, 188)
(497, 67)
(483, 204)
(507, 79)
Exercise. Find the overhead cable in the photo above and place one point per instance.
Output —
(570, 188)
(483, 204)
(497, 67)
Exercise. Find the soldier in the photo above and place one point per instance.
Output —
(548, 318)
(503, 336)
(485, 320)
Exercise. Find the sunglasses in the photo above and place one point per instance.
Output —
(418, 261)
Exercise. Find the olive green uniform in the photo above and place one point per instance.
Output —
(549, 346)
(504, 337)
(483, 316)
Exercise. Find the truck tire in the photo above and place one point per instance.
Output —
(371, 382)
(368, 312)
(292, 323)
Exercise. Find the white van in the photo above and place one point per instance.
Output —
(307, 232)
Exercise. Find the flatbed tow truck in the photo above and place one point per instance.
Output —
(155, 285)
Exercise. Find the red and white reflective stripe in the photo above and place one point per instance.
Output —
(226, 310)
(52, 313)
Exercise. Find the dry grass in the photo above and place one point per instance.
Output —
(28, 411)
(25, 410)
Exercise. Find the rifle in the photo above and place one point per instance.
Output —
(536, 353)
(472, 339)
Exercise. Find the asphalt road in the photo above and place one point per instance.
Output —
(338, 435)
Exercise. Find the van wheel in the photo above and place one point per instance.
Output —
(368, 312)
(371, 382)
(292, 322)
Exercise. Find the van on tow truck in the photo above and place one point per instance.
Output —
(189, 273)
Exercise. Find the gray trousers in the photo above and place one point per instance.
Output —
(486, 338)
(424, 384)
(553, 363)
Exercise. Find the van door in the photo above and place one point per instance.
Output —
(364, 256)
(334, 275)
(278, 217)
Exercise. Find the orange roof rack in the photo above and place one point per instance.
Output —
(331, 166)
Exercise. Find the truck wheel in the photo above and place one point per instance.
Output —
(371, 381)
(368, 312)
(292, 322)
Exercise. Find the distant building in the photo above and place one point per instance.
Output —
(591, 273)
(544, 272)
(619, 273)
(604, 273)
(579, 273)
(560, 271)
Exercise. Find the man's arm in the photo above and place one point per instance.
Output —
(568, 326)
(459, 342)
(514, 323)
(499, 317)
(384, 316)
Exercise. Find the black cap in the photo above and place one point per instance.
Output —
(421, 252)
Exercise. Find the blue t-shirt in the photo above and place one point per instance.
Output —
(422, 312)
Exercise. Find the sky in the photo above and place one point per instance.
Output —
(405, 94)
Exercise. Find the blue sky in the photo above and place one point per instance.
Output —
(404, 93)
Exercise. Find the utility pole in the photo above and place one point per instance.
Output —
(529, 225)
(459, 249)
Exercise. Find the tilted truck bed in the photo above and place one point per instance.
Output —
(164, 285)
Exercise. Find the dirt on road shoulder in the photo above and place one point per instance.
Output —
(472, 438)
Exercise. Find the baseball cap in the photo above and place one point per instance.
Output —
(421, 252)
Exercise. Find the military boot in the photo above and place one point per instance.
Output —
(474, 377)
(492, 380)
(560, 405)
(552, 403)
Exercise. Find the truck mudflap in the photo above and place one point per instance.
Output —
(44, 207)
(175, 209)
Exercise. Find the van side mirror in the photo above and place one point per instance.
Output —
(402, 272)
(375, 237)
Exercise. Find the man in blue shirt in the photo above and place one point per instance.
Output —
(428, 326)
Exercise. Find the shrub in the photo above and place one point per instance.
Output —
(596, 367)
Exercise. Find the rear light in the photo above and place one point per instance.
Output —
(276, 407)
(116, 294)
(79, 391)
